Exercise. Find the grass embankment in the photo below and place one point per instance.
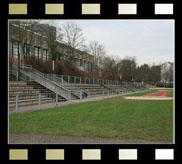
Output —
(111, 118)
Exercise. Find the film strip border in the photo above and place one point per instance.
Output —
(91, 154)
(89, 8)
(85, 9)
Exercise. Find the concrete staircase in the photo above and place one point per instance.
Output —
(27, 94)
(44, 91)
(90, 89)
(12, 77)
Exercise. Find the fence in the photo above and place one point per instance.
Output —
(75, 79)
(54, 99)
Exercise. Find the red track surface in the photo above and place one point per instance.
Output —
(159, 93)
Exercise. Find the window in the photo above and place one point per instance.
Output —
(81, 63)
(37, 51)
(91, 67)
(60, 57)
(88, 66)
(45, 55)
(84, 64)
(27, 50)
(15, 49)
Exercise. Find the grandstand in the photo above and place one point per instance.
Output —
(34, 83)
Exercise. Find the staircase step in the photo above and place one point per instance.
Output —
(26, 96)
(23, 91)
(30, 102)
(19, 87)
(18, 83)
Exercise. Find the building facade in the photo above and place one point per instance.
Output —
(167, 72)
(24, 43)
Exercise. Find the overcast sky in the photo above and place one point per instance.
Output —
(150, 41)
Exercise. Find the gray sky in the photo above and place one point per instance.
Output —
(150, 41)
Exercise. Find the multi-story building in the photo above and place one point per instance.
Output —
(26, 42)
(167, 72)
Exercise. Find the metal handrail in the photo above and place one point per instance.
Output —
(41, 79)
(94, 80)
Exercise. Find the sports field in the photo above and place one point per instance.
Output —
(118, 118)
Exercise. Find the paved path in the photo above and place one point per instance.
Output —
(50, 139)
(53, 105)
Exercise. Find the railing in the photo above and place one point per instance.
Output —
(87, 80)
(28, 73)
(20, 75)
(55, 78)
(65, 79)
(39, 100)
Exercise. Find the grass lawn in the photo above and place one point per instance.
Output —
(110, 118)
(171, 93)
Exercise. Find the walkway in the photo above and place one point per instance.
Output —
(53, 139)
(60, 104)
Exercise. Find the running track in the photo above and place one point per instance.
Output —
(158, 93)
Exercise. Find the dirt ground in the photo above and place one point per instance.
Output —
(148, 98)
(159, 95)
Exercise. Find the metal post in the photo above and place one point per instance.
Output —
(54, 78)
(103, 93)
(68, 79)
(89, 80)
(80, 80)
(108, 93)
(30, 75)
(80, 95)
(17, 103)
(85, 80)
(39, 101)
(70, 96)
(56, 100)
(17, 76)
(74, 79)
(62, 78)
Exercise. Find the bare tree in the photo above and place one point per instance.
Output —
(127, 68)
(97, 50)
(73, 37)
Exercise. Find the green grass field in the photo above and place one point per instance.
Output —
(171, 93)
(110, 118)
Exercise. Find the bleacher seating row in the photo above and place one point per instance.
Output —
(29, 91)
